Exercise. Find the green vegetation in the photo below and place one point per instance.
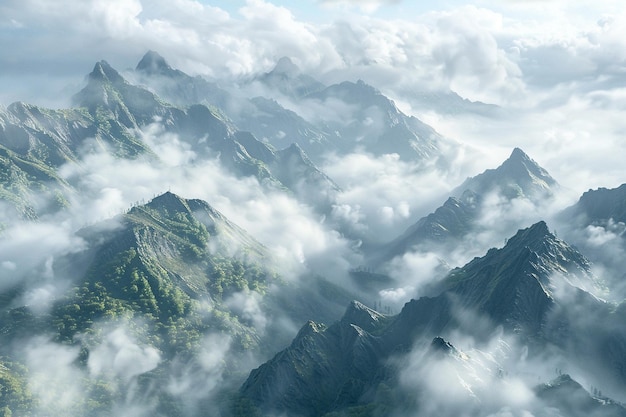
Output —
(15, 398)
(158, 270)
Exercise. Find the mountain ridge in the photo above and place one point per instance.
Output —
(520, 299)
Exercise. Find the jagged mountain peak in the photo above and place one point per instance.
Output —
(287, 78)
(518, 176)
(153, 63)
(533, 235)
(103, 72)
(100, 85)
(439, 344)
(548, 252)
(286, 67)
(601, 205)
(360, 315)
(309, 329)
(555, 255)
(519, 154)
(294, 148)
(170, 202)
(516, 285)
(519, 164)
(356, 91)
(569, 396)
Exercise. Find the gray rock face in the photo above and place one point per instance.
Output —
(568, 396)
(518, 176)
(446, 224)
(324, 368)
(599, 206)
(512, 287)
(373, 122)
(287, 78)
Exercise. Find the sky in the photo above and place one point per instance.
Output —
(558, 67)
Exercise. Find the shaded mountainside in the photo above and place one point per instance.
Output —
(599, 207)
(347, 364)
(573, 400)
(365, 119)
(111, 115)
(164, 262)
(287, 78)
(448, 223)
(517, 177)
(324, 368)
(372, 122)
(513, 287)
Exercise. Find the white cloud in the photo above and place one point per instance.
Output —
(54, 380)
(119, 355)
(367, 6)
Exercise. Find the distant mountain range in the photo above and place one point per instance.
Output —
(364, 118)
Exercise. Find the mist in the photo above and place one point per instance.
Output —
(550, 75)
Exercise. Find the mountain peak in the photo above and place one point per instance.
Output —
(286, 66)
(153, 63)
(520, 166)
(359, 314)
(518, 176)
(519, 154)
(169, 202)
(537, 231)
(440, 345)
(601, 205)
(104, 72)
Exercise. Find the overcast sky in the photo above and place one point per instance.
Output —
(559, 67)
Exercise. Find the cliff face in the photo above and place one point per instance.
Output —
(327, 368)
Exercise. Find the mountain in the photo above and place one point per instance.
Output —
(340, 118)
(365, 119)
(265, 118)
(111, 113)
(170, 272)
(450, 103)
(514, 287)
(573, 400)
(287, 78)
(599, 207)
(35, 142)
(450, 222)
(324, 368)
(295, 170)
(160, 261)
(348, 364)
(177, 87)
(271, 122)
(517, 177)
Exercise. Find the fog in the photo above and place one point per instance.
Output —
(554, 71)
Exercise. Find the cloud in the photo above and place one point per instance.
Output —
(119, 355)
(28, 250)
(247, 305)
(382, 196)
(53, 379)
(471, 381)
(367, 6)
(200, 379)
